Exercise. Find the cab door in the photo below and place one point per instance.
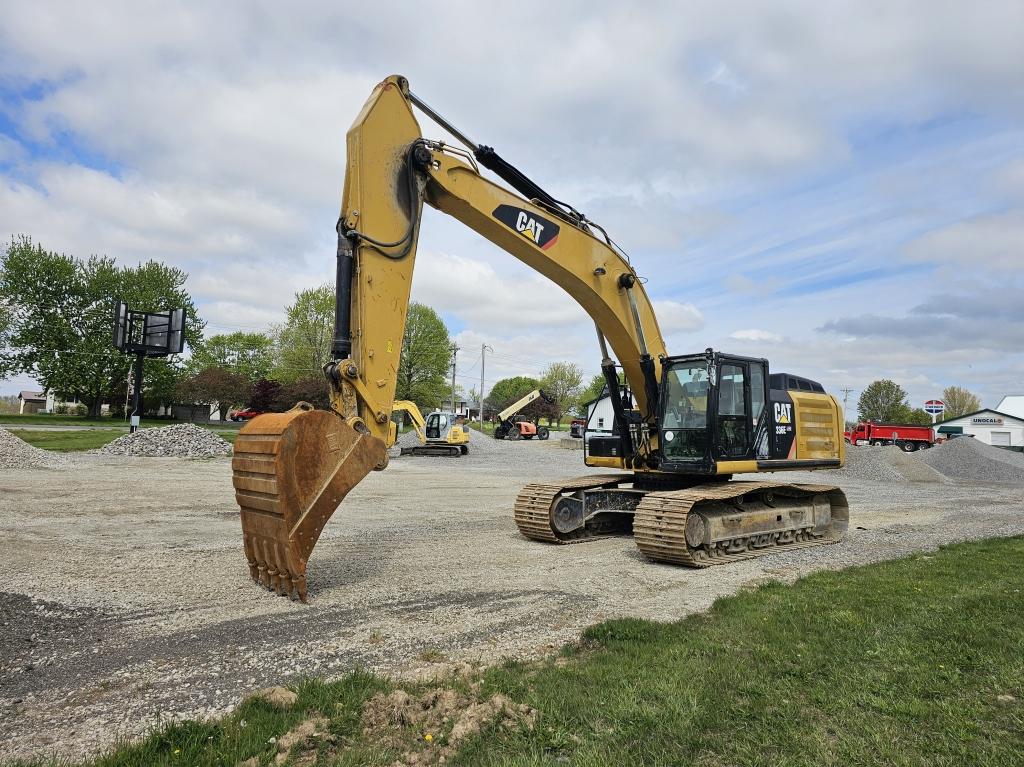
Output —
(436, 425)
(740, 427)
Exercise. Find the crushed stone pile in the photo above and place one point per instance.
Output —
(183, 440)
(16, 453)
(886, 464)
(968, 459)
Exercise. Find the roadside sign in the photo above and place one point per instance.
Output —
(934, 406)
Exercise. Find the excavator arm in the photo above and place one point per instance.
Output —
(391, 171)
(519, 404)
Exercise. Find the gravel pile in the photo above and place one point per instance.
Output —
(183, 440)
(870, 463)
(887, 464)
(18, 454)
(969, 459)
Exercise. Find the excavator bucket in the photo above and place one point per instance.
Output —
(290, 471)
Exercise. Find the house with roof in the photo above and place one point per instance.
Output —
(31, 402)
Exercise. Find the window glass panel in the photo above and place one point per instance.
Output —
(756, 391)
(732, 412)
(684, 422)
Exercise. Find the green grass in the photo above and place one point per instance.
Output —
(76, 420)
(73, 441)
(899, 663)
(68, 441)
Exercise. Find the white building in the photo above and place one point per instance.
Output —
(993, 427)
(1012, 404)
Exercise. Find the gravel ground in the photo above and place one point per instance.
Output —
(127, 601)
(183, 440)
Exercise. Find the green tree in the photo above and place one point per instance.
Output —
(222, 386)
(508, 390)
(593, 390)
(304, 340)
(423, 365)
(562, 382)
(959, 402)
(916, 416)
(60, 312)
(251, 355)
(883, 401)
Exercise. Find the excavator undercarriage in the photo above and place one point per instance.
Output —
(698, 526)
(675, 430)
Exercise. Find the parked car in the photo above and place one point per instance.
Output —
(577, 427)
(244, 415)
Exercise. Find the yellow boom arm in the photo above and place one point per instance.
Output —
(291, 470)
(390, 172)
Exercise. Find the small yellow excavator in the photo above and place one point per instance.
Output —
(682, 425)
(439, 433)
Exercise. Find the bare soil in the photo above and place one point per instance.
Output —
(126, 600)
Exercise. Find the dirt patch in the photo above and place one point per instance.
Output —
(303, 739)
(429, 727)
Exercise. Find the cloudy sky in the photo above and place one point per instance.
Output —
(837, 187)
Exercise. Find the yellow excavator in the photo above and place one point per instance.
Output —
(682, 425)
(439, 433)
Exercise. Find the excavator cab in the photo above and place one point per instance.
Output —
(712, 409)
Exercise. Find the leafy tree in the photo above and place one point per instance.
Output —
(60, 315)
(593, 390)
(959, 402)
(311, 389)
(263, 395)
(562, 382)
(424, 362)
(216, 385)
(916, 416)
(9, 404)
(249, 354)
(304, 340)
(508, 390)
(883, 401)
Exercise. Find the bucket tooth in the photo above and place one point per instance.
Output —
(290, 472)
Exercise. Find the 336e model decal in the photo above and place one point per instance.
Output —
(540, 231)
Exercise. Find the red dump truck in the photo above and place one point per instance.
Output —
(906, 437)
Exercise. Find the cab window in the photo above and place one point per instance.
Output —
(733, 420)
(685, 419)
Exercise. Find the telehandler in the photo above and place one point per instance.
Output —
(509, 427)
(683, 425)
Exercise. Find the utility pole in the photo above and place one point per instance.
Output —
(455, 351)
(483, 355)
(846, 395)
(137, 394)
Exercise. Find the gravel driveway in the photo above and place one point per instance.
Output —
(126, 599)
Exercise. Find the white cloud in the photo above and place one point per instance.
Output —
(758, 336)
(993, 242)
(676, 317)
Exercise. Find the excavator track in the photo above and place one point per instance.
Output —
(535, 503)
(710, 525)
